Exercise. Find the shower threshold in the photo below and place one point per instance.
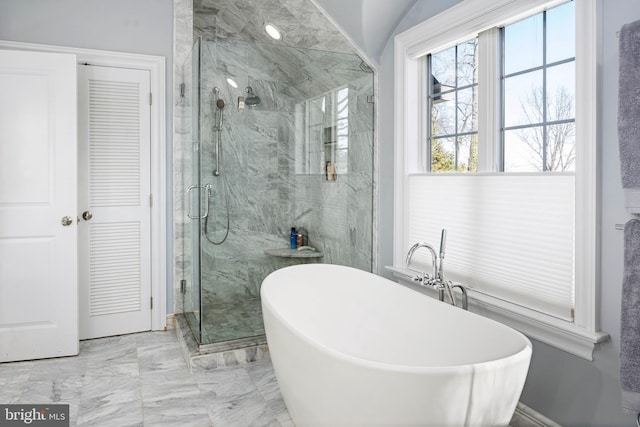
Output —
(232, 344)
(201, 357)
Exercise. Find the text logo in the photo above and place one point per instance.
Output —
(34, 415)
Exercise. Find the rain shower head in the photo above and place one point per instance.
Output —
(252, 100)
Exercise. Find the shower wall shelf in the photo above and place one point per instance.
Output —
(292, 253)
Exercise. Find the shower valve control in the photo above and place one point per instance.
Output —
(86, 215)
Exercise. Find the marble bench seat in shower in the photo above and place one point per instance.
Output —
(292, 253)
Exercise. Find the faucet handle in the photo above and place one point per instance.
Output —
(424, 279)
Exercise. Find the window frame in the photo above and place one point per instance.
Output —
(306, 148)
(545, 123)
(454, 25)
(430, 95)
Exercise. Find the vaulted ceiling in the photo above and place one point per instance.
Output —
(367, 23)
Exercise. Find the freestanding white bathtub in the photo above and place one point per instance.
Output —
(350, 348)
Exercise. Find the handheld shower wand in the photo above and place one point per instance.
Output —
(447, 286)
(443, 243)
(218, 129)
(220, 106)
(218, 118)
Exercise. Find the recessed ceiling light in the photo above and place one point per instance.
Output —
(232, 83)
(273, 31)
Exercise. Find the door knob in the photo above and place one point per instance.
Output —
(86, 215)
(66, 221)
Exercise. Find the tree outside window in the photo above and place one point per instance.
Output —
(539, 92)
(538, 98)
(454, 108)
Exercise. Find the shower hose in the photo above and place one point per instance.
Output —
(206, 221)
(217, 128)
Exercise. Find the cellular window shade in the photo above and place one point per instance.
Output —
(508, 236)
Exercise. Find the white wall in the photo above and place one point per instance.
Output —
(419, 12)
(140, 26)
(368, 23)
(569, 390)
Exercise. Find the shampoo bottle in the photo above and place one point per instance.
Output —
(293, 237)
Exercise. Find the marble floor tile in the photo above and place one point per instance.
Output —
(94, 413)
(264, 378)
(160, 357)
(14, 378)
(177, 410)
(143, 380)
(249, 409)
(226, 383)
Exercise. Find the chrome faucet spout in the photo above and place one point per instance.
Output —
(437, 279)
(434, 257)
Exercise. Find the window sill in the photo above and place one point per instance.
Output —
(558, 333)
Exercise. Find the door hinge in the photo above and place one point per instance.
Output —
(183, 89)
(150, 200)
(183, 286)
(151, 303)
(371, 99)
(150, 98)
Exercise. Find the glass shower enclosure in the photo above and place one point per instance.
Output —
(276, 137)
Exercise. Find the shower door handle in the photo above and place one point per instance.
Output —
(205, 214)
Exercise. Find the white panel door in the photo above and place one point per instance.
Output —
(38, 230)
(114, 201)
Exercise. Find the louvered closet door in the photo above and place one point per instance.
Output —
(114, 201)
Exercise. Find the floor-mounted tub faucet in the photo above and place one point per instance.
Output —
(465, 297)
(436, 279)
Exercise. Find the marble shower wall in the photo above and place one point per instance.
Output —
(258, 182)
(263, 182)
(302, 24)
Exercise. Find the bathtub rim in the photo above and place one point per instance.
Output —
(524, 353)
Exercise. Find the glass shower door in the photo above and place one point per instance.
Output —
(190, 190)
(230, 300)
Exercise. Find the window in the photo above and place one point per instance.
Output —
(452, 81)
(539, 92)
(326, 144)
(537, 98)
(518, 223)
(527, 119)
